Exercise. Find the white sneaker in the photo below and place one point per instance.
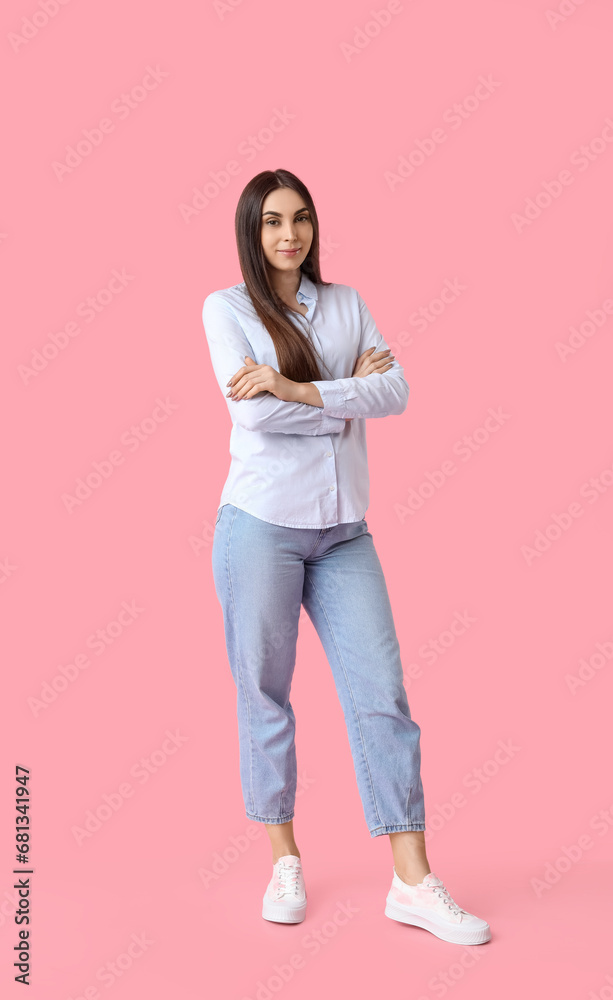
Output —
(430, 906)
(285, 896)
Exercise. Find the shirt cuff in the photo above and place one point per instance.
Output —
(335, 395)
(331, 425)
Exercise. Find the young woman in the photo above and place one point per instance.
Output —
(302, 365)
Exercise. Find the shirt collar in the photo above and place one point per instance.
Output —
(307, 289)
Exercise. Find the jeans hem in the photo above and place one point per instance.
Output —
(270, 819)
(380, 830)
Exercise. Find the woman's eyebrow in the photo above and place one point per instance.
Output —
(300, 210)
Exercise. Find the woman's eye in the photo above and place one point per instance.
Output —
(300, 218)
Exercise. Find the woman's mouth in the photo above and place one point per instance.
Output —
(290, 253)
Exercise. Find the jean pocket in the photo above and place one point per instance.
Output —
(218, 515)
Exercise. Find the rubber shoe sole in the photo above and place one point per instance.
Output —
(456, 933)
(283, 914)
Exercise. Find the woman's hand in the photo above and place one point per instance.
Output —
(368, 363)
(252, 379)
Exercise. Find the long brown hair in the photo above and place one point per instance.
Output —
(296, 355)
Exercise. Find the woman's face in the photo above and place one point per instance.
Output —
(286, 225)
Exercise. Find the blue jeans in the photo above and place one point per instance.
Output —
(263, 574)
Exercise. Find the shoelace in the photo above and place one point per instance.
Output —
(443, 892)
(288, 878)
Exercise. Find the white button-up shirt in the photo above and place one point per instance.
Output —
(294, 464)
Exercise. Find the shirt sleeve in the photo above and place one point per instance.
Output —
(376, 395)
(228, 346)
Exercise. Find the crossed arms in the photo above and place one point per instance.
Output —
(376, 395)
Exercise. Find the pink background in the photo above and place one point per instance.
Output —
(143, 535)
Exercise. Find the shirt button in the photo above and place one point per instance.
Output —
(331, 488)
(328, 453)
